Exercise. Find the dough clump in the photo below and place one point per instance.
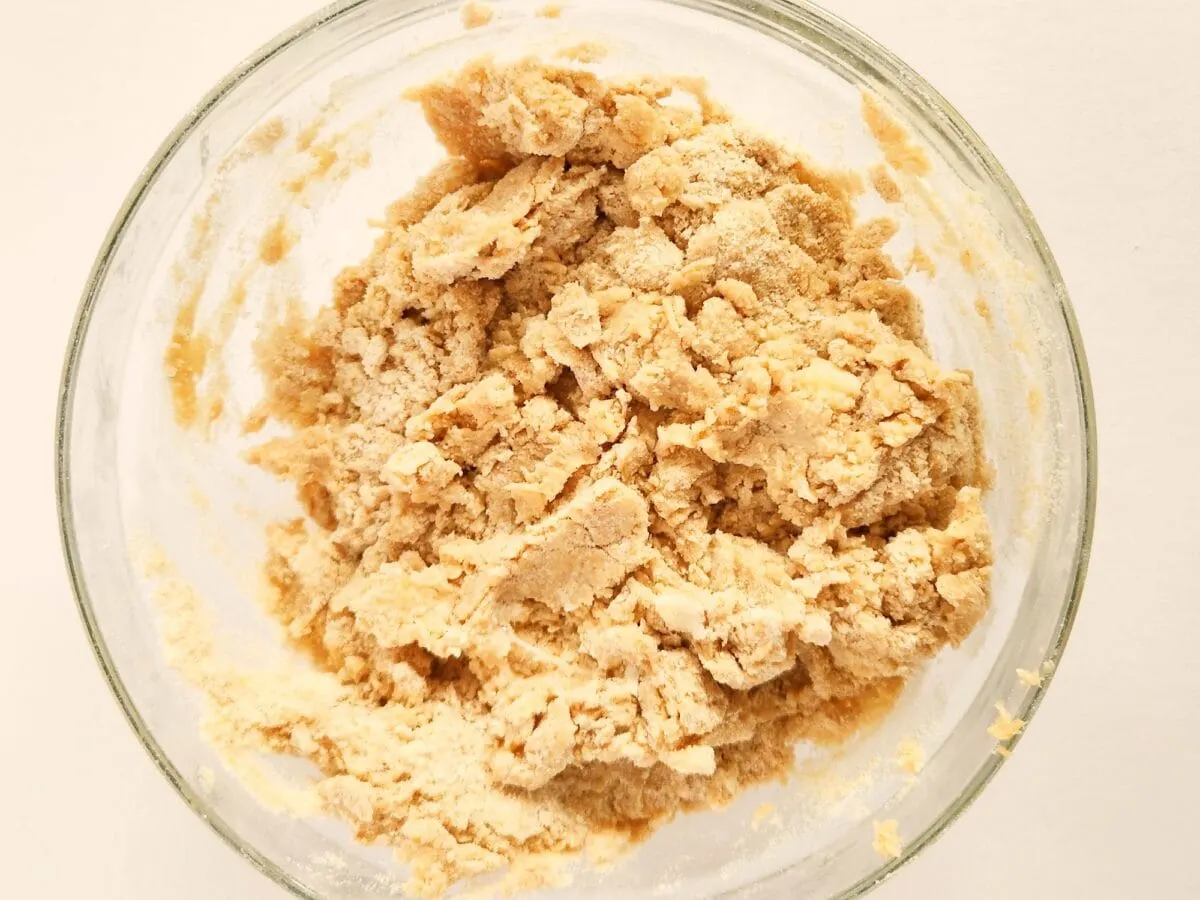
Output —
(625, 468)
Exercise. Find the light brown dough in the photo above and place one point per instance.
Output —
(626, 468)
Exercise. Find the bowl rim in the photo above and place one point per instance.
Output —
(808, 19)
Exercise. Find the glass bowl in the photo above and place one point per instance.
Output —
(310, 132)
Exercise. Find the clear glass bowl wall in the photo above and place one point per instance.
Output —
(126, 471)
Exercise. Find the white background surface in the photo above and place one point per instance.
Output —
(1095, 111)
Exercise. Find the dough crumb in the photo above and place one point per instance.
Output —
(1002, 751)
(1005, 727)
(920, 261)
(623, 469)
(476, 14)
(1028, 678)
(910, 756)
(887, 839)
(584, 52)
(884, 184)
(550, 11)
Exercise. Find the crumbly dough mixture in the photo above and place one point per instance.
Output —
(625, 468)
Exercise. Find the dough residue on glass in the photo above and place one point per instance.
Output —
(910, 756)
(1029, 678)
(625, 467)
(1006, 726)
(884, 184)
(887, 841)
(899, 149)
(476, 14)
(584, 52)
